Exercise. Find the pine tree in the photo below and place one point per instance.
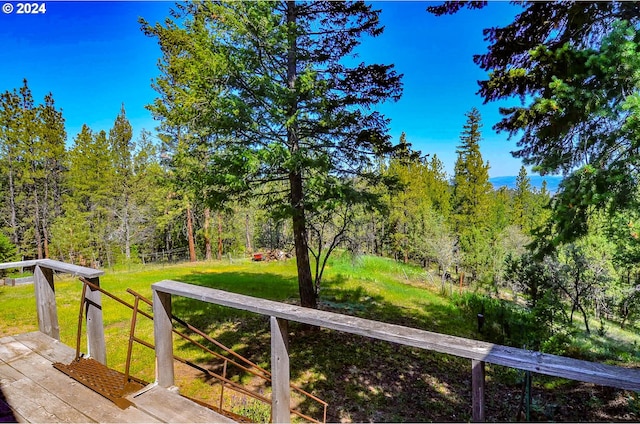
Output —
(402, 203)
(32, 173)
(471, 201)
(149, 196)
(87, 207)
(11, 153)
(52, 152)
(522, 208)
(471, 186)
(265, 87)
(121, 148)
(437, 187)
(32, 140)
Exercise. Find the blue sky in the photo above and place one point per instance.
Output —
(93, 57)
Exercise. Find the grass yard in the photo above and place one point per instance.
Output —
(362, 379)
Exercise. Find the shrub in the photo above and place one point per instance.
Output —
(7, 251)
(505, 322)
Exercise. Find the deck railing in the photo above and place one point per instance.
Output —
(477, 351)
(46, 301)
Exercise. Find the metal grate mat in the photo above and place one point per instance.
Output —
(109, 383)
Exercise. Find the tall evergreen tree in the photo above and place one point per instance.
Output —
(266, 87)
(522, 200)
(32, 140)
(11, 169)
(471, 186)
(32, 172)
(121, 148)
(471, 201)
(87, 205)
(437, 186)
(52, 153)
(149, 197)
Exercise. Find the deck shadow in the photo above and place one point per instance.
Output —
(6, 413)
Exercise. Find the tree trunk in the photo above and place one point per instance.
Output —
(36, 225)
(192, 244)
(248, 247)
(207, 234)
(45, 235)
(573, 309)
(12, 203)
(584, 316)
(305, 280)
(127, 228)
(45, 216)
(219, 236)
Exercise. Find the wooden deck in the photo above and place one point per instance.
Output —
(31, 390)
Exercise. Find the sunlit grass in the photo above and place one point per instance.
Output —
(370, 287)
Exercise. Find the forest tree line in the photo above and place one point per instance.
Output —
(267, 139)
(108, 199)
(105, 198)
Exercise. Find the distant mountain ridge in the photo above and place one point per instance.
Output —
(553, 181)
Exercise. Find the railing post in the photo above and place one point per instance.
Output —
(477, 391)
(96, 346)
(46, 302)
(280, 396)
(163, 336)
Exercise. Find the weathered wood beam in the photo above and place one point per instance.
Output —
(96, 345)
(46, 302)
(280, 384)
(81, 271)
(606, 375)
(477, 391)
(163, 336)
(76, 270)
(20, 264)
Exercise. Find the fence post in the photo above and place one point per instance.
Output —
(96, 345)
(477, 391)
(163, 336)
(280, 396)
(46, 302)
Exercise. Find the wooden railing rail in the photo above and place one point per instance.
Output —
(477, 351)
(46, 301)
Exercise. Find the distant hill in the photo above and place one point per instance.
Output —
(536, 182)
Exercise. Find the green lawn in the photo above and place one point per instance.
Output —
(361, 378)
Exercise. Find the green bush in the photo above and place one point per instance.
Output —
(7, 251)
(505, 323)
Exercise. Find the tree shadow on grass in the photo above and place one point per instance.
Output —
(361, 378)
(364, 379)
(206, 316)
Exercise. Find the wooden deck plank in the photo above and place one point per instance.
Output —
(11, 349)
(91, 404)
(8, 374)
(50, 349)
(174, 408)
(34, 402)
(31, 390)
(7, 414)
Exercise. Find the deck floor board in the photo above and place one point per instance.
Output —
(31, 390)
